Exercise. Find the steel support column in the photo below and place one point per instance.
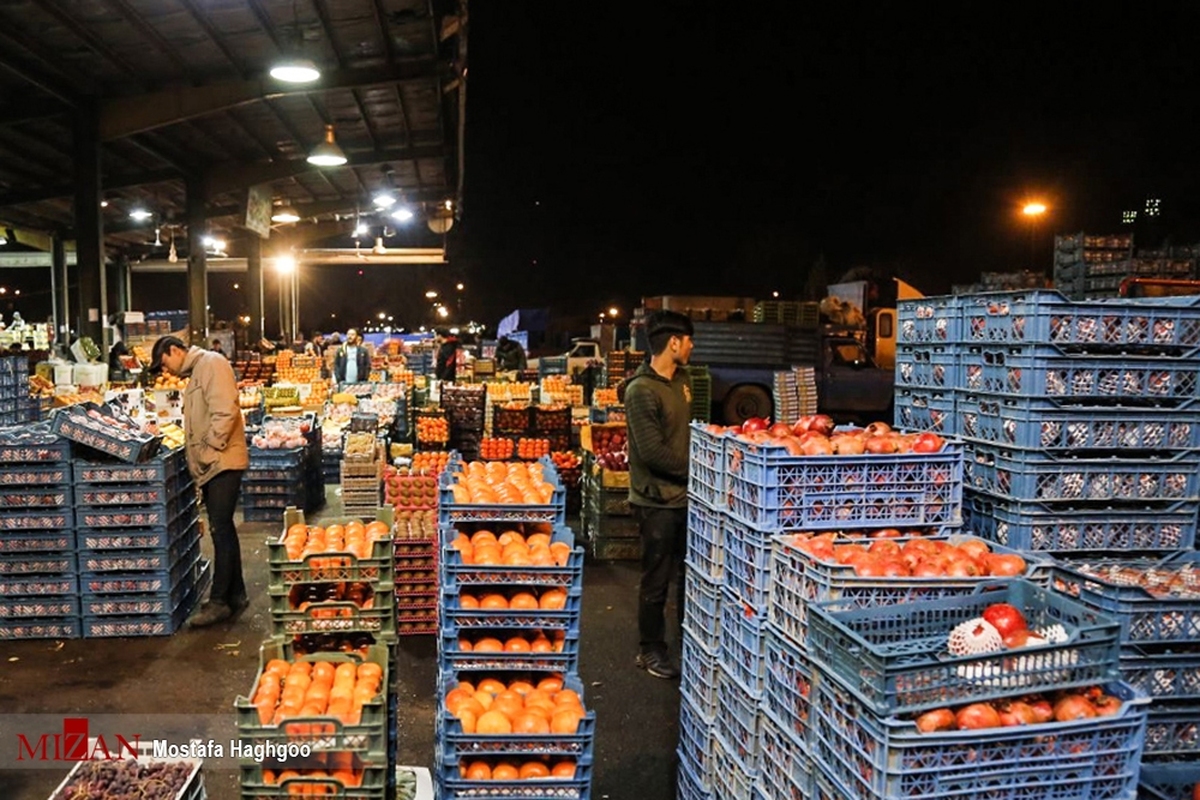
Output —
(254, 288)
(89, 229)
(197, 269)
(60, 297)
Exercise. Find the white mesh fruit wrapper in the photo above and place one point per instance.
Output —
(974, 637)
(1035, 669)
(1053, 634)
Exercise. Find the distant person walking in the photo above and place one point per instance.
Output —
(217, 456)
(657, 411)
(216, 348)
(352, 364)
(446, 366)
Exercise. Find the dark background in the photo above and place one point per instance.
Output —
(621, 150)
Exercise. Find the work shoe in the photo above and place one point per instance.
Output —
(658, 665)
(210, 614)
(238, 606)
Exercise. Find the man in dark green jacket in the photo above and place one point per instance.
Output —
(657, 412)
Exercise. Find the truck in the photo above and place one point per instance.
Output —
(743, 357)
(879, 322)
(583, 352)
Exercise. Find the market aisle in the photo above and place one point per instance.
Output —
(201, 672)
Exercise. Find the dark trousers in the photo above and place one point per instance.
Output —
(664, 545)
(220, 497)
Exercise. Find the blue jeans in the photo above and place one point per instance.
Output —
(220, 498)
(664, 545)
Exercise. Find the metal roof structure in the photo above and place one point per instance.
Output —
(179, 91)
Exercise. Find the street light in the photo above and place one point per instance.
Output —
(613, 311)
(431, 295)
(1033, 211)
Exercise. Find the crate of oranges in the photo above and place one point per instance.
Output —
(496, 448)
(335, 607)
(345, 549)
(512, 607)
(433, 430)
(343, 775)
(511, 649)
(501, 491)
(329, 701)
(529, 714)
(528, 554)
(515, 777)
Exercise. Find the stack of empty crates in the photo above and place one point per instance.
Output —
(701, 387)
(138, 533)
(277, 479)
(805, 315)
(795, 394)
(1090, 265)
(17, 406)
(743, 714)
(39, 590)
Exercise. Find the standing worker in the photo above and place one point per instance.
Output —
(217, 456)
(446, 366)
(352, 364)
(657, 412)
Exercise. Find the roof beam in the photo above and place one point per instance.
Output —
(30, 110)
(213, 34)
(47, 83)
(147, 30)
(324, 207)
(125, 116)
(67, 190)
(235, 177)
(94, 42)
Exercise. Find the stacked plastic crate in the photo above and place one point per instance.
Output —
(361, 470)
(138, 533)
(1089, 265)
(39, 588)
(510, 629)
(275, 480)
(17, 406)
(333, 629)
(744, 495)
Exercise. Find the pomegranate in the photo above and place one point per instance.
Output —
(976, 716)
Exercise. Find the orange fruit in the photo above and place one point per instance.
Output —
(534, 769)
(550, 685)
(468, 601)
(484, 699)
(541, 645)
(528, 723)
(566, 720)
(505, 771)
(468, 719)
(508, 703)
(535, 539)
(523, 600)
(491, 685)
(493, 722)
(489, 645)
(464, 645)
(563, 769)
(480, 771)
(516, 645)
(553, 600)
(493, 601)
(521, 687)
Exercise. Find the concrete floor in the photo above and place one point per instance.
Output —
(201, 672)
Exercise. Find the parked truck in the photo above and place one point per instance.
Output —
(742, 358)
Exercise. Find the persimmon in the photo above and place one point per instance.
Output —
(484, 699)
(468, 719)
(541, 645)
(551, 684)
(566, 719)
(517, 645)
(468, 601)
(521, 687)
(478, 771)
(523, 600)
(563, 769)
(528, 723)
(553, 600)
(493, 602)
(491, 685)
(508, 703)
(464, 645)
(489, 645)
(535, 539)
(534, 769)
(565, 697)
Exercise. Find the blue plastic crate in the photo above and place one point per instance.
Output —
(154, 624)
(927, 367)
(688, 786)
(22, 566)
(75, 423)
(799, 579)
(275, 458)
(156, 562)
(732, 779)
(256, 514)
(1166, 780)
(747, 560)
(278, 503)
(1080, 380)
(162, 603)
(24, 476)
(452, 785)
(452, 658)
(39, 607)
(1065, 530)
(289, 488)
(564, 619)
(926, 410)
(743, 642)
(1166, 326)
(34, 542)
(39, 585)
(36, 519)
(1033, 423)
(929, 320)
(569, 575)
(896, 657)
(1121, 588)
(49, 628)
(886, 757)
(702, 609)
(696, 743)
(157, 538)
(456, 743)
(739, 719)
(552, 365)
(785, 768)
(175, 512)
(701, 674)
(705, 541)
(140, 583)
(706, 466)
(1033, 476)
(156, 471)
(787, 687)
(33, 444)
(774, 491)
(1173, 731)
(1163, 675)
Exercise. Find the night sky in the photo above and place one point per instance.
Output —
(622, 150)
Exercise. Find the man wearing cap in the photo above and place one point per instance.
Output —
(217, 456)
(657, 411)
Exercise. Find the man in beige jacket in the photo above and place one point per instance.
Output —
(217, 456)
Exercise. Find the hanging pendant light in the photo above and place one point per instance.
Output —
(295, 70)
(327, 153)
(285, 214)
